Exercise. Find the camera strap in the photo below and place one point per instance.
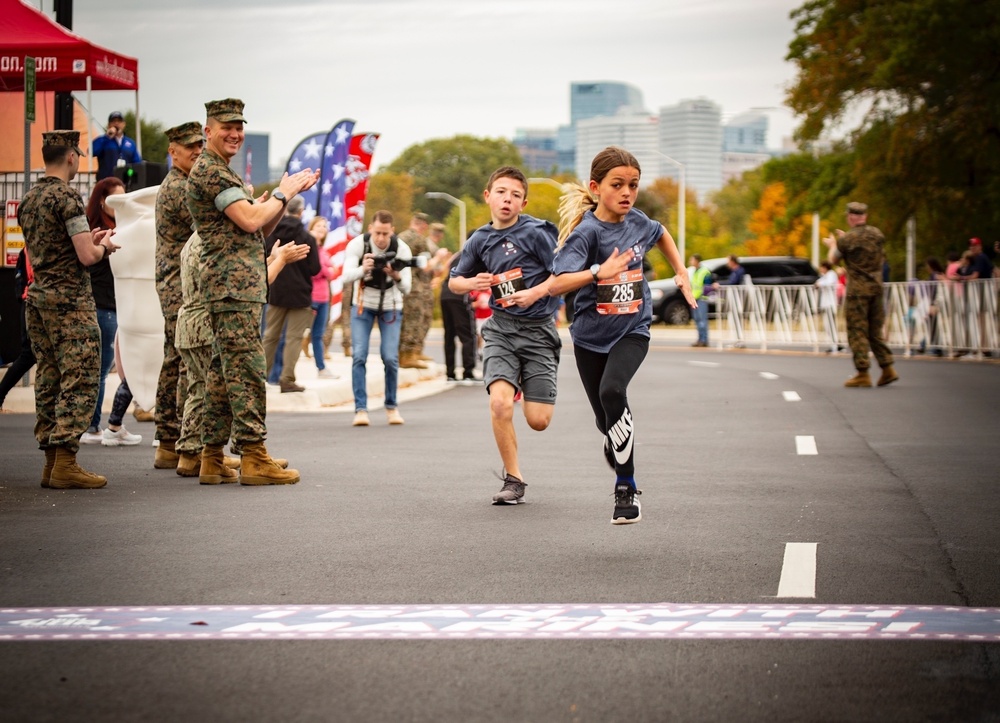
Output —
(384, 281)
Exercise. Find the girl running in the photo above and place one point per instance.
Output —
(602, 240)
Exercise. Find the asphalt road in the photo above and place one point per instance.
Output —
(901, 500)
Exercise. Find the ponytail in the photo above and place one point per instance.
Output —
(573, 204)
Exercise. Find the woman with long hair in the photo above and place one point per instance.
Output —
(602, 240)
(319, 228)
(101, 215)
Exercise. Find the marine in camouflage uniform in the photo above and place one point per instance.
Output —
(862, 250)
(61, 315)
(418, 305)
(173, 228)
(233, 282)
(193, 340)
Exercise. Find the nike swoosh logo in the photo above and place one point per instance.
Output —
(621, 436)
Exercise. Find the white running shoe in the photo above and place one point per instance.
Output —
(92, 437)
(121, 438)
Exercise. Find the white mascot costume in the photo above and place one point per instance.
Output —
(140, 321)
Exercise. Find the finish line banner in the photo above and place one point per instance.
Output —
(479, 622)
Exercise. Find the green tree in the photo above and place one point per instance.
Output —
(459, 166)
(391, 192)
(154, 142)
(924, 77)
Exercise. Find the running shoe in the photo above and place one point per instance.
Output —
(121, 438)
(92, 437)
(627, 508)
(511, 493)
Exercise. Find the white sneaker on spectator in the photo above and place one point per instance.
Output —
(89, 437)
(326, 374)
(121, 438)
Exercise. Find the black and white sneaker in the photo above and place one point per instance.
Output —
(512, 491)
(627, 507)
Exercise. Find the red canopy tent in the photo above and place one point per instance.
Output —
(64, 61)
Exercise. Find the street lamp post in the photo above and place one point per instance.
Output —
(549, 182)
(461, 212)
(681, 231)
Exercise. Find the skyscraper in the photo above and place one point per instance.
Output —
(691, 133)
(588, 99)
(633, 129)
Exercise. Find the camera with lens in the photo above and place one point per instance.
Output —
(389, 261)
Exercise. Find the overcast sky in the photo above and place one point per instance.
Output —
(414, 70)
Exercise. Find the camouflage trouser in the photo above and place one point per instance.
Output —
(67, 346)
(865, 317)
(196, 362)
(171, 388)
(418, 312)
(235, 396)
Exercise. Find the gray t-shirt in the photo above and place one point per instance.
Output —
(614, 308)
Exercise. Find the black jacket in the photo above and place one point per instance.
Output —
(293, 287)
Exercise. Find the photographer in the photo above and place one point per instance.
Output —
(114, 149)
(378, 263)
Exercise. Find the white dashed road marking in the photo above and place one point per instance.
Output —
(791, 396)
(798, 571)
(769, 376)
(805, 445)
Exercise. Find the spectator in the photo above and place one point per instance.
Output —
(418, 304)
(827, 285)
(100, 215)
(319, 228)
(458, 321)
(26, 359)
(114, 149)
(700, 278)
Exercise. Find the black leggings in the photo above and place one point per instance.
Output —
(605, 378)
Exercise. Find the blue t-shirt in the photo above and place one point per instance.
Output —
(606, 312)
(519, 257)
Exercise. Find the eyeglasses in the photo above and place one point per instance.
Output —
(855, 213)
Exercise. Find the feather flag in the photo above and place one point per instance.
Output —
(308, 154)
(358, 165)
(332, 197)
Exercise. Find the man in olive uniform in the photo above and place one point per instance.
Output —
(232, 225)
(862, 250)
(173, 228)
(61, 316)
(418, 305)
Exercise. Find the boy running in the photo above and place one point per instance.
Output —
(512, 258)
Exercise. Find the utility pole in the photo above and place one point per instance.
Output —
(64, 100)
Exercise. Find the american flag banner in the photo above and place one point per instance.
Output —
(248, 173)
(308, 154)
(358, 165)
(332, 196)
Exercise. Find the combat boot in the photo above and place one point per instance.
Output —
(213, 467)
(411, 361)
(861, 379)
(50, 461)
(257, 468)
(889, 375)
(232, 462)
(165, 456)
(67, 474)
(188, 464)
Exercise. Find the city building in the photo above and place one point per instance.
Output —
(691, 133)
(252, 160)
(744, 144)
(537, 147)
(631, 128)
(590, 99)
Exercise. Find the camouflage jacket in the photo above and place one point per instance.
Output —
(421, 279)
(173, 228)
(862, 249)
(232, 260)
(50, 214)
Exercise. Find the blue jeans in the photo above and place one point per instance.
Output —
(107, 320)
(322, 309)
(389, 323)
(700, 315)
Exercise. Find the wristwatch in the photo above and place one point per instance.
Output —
(281, 197)
(594, 270)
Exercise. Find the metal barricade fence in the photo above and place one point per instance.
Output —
(940, 317)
